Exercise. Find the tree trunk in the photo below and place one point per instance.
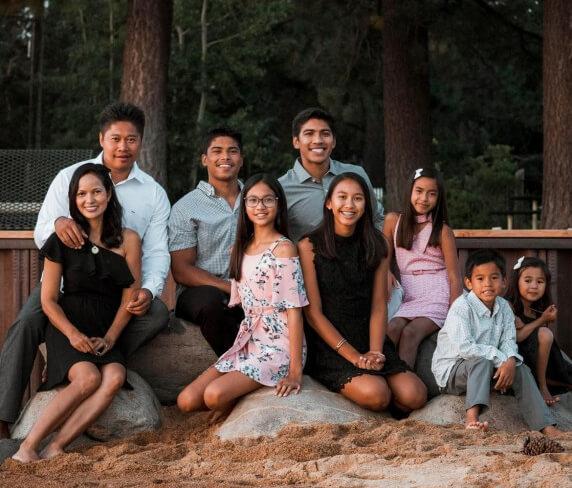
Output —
(406, 113)
(144, 79)
(557, 116)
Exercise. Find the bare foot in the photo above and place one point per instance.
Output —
(4, 430)
(25, 455)
(477, 425)
(51, 451)
(551, 431)
(548, 398)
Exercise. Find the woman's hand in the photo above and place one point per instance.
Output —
(81, 342)
(290, 384)
(550, 314)
(372, 360)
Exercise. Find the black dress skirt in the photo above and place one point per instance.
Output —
(558, 368)
(93, 283)
(346, 287)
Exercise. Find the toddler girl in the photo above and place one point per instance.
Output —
(529, 294)
(426, 256)
(266, 278)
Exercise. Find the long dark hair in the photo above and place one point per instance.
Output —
(439, 216)
(245, 227)
(111, 232)
(513, 295)
(371, 240)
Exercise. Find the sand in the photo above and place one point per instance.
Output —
(187, 452)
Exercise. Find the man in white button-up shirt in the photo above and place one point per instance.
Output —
(145, 210)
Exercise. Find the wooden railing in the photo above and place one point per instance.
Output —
(20, 269)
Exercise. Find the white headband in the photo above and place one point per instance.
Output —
(418, 172)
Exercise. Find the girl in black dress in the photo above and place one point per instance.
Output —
(88, 317)
(345, 272)
(529, 295)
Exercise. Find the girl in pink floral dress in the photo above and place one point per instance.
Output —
(266, 279)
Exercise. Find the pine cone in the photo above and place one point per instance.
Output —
(533, 446)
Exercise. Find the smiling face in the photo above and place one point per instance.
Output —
(531, 285)
(121, 143)
(347, 204)
(424, 195)
(261, 205)
(223, 159)
(486, 282)
(91, 197)
(315, 142)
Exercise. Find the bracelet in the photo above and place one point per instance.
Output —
(340, 344)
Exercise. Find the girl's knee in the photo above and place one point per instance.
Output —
(545, 335)
(213, 397)
(409, 391)
(87, 382)
(373, 395)
(112, 381)
(189, 401)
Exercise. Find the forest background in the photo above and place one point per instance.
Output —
(454, 83)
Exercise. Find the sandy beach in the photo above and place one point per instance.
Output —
(407, 453)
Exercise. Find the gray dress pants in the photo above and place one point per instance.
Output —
(473, 377)
(27, 333)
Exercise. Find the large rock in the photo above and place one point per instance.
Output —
(131, 411)
(262, 413)
(173, 359)
(503, 413)
(423, 364)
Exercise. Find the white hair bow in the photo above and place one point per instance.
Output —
(519, 263)
(418, 172)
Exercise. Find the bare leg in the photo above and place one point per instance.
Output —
(112, 378)
(395, 328)
(191, 399)
(409, 392)
(551, 431)
(545, 339)
(84, 380)
(223, 391)
(411, 337)
(368, 391)
(472, 421)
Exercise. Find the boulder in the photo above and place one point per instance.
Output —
(423, 364)
(131, 411)
(262, 413)
(173, 359)
(503, 413)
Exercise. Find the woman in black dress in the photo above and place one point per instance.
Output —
(345, 271)
(88, 317)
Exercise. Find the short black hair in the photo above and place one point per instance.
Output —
(312, 113)
(122, 112)
(220, 132)
(484, 256)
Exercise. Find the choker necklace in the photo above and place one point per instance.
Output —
(421, 219)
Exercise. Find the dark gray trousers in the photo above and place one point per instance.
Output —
(28, 332)
(473, 377)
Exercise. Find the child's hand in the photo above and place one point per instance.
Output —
(519, 324)
(290, 384)
(550, 314)
(371, 360)
(392, 283)
(505, 375)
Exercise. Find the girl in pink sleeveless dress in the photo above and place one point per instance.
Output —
(426, 256)
(266, 279)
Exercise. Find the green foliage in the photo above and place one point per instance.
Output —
(482, 188)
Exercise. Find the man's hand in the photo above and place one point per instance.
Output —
(71, 234)
(140, 302)
(505, 375)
